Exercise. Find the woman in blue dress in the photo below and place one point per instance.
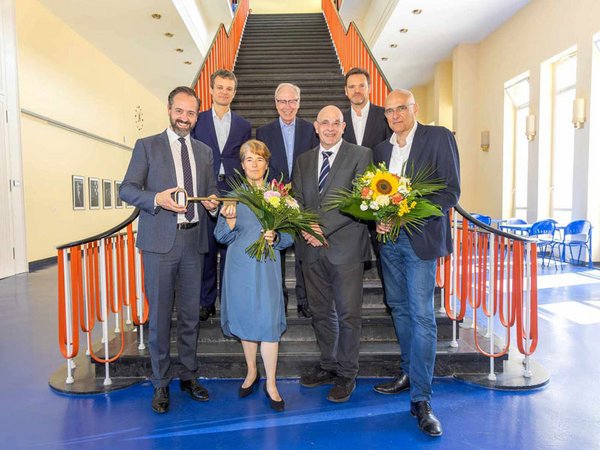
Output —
(252, 307)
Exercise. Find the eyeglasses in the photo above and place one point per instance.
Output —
(398, 109)
(292, 102)
(327, 124)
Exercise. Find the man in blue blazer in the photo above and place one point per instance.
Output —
(287, 137)
(409, 263)
(172, 238)
(224, 132)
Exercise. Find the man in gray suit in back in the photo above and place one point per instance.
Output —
(173, 238)
(333, 270)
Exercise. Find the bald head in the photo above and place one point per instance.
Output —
(401, 112)
(330, 126)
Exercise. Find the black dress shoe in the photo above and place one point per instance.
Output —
(206, 312)
(304, 311)
(342, 390)
(397, 385)
(428, 423)
(278, 406)
(317, 377)
(246, 391)
(195, 389)
(160, 400)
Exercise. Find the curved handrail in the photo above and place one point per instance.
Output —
(490, 229)
(353, 51)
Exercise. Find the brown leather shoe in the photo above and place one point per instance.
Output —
(160, 400)
(397, 385)
(317, 377)
(342, 390)
(195, 389)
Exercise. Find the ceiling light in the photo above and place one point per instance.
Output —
(187, 62)
(416, 12)
(156, 16)
(179, 50)
(384, 58)
(394, 45)
(169, 35)
(403, 30)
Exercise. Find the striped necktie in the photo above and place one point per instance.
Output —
(325, 167)
(188, 183)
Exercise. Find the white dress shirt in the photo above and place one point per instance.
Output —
(222, 127)
(360, 122)
(176, 152)
(400, 154)
(333, 151)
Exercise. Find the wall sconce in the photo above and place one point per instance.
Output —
(578, 112)
(485, 140)
(530, 127)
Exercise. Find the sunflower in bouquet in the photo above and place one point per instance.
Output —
(275, 209)
(383, 196)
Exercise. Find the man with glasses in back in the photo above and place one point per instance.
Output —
(333, 269)
(287, 137)
(409, 263)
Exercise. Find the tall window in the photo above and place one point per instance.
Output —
(518, 93)
(563, 146)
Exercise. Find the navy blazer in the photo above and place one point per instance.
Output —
(152, 170)
(305, 138)
(376, 129)
(433, 148)
(240, 132)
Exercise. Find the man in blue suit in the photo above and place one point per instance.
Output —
(287, 137)
(409, 263)
(224, 132)
(172, 238)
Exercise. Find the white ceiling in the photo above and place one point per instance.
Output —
(431, 36)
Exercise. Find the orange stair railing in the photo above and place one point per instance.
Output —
(222, 53)
(353, 51)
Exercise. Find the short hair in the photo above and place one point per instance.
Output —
(183, 90)
(357, 71)
(257, 147)
(290, 85)
(223, 73)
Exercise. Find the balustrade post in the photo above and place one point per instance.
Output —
(527, 300)
(139, 297)
(68, 317)
(453, 283)
(86, 300)
(104, 312)
(492, 246)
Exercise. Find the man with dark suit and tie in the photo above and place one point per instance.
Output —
(287, 137)
(333, 270)
(224, 132)
(409, 263)
(172, 238)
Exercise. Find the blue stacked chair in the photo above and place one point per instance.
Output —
(543, 233)
(577, 235)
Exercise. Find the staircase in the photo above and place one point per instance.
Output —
(298, 49)
(292, 48)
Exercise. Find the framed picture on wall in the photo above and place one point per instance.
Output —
(78, 192)
(94, 190)
(107, 194)
(118, 201)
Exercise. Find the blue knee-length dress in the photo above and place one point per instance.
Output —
(252, 306)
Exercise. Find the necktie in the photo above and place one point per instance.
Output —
(188, 183)
(325, 167)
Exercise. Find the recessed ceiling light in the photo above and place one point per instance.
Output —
(156, 16)
(169, 35)
(394, 45)
(187, 62)
(384, 58)
(403, 30)
(417, 11)
(179, 50)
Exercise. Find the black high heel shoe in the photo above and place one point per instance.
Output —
(278, 406)
(246, 391)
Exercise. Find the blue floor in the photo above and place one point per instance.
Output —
(563, 415)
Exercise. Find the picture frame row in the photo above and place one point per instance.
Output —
(103, 193)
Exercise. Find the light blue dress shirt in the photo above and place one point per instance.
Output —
(288, 132)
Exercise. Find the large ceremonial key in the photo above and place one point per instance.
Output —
(182, 198)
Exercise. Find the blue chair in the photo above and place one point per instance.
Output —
(577, 234)
(543, 233)
(487, 220)
(515, 221)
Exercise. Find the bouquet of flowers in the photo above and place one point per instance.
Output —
(275, 209)
(385, 197)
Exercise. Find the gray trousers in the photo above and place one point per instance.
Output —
(174, 277)
(335, 296)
